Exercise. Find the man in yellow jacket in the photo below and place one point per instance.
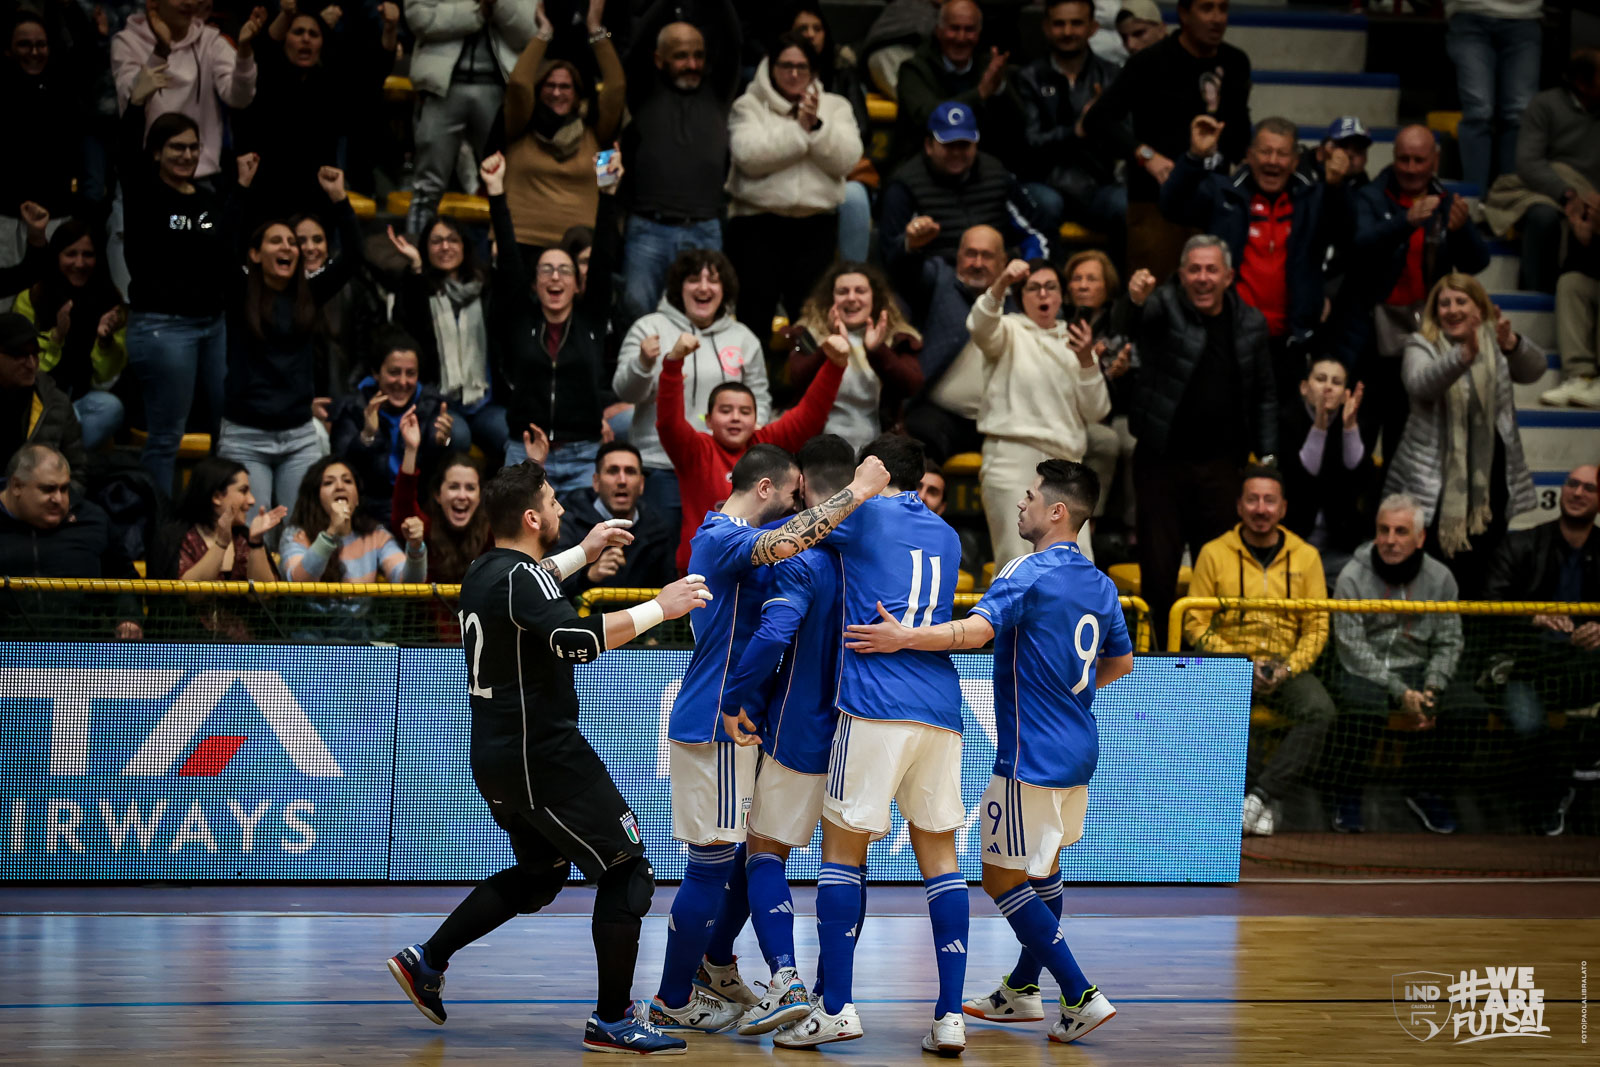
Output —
(1259, 558)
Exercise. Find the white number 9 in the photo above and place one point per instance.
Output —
(1087, 654)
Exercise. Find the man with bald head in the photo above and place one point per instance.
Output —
(682, 79)
(951, 67)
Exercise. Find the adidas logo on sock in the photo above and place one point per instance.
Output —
(1059, 936)
(955, 946)
(993, 848)
(782, 909)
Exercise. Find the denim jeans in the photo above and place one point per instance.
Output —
(662, 495)
(567, 468)
(1105, 210)
(1497, 73)
(276, 459)
(99, 415)
(649, 249)
(175, 358)
(855, 223)
(485, 428)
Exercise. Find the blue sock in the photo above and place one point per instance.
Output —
(771, 908)
(950, 915)
(694, 912)
(1040, 933)
(735, 912)
(818, 988)
(838, 913)
(1026, 972)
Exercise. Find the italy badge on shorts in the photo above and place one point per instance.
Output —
(631, 826)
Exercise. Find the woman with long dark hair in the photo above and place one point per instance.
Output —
(213, 538)
(455, 526)
(329, 539)
(272, 318)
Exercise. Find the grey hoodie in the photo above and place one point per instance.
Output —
(1378, 647)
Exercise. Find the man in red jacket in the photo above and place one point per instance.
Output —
(705, 461)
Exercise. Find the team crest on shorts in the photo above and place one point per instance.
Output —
(631, 826)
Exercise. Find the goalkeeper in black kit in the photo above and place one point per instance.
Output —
(545, 786)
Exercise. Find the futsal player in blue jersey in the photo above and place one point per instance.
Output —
(898, 739)
(1059, 635)
(712, 777)
(789, 711)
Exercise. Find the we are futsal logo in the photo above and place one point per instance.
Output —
(1501, 1002)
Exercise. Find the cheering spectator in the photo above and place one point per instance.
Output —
(465, 50)
(82, 326)
(367, 424)
(1400, 663)
(179, 265)
(555, 353)
(1067, 176)
(853, 303)
(1204, 401)
(792, 146)
(214, 539)
(837, 71)
(947, 68)
(267, 418)
(1259, 558)
(944, 417)
(1557, 560)
(702, 289)
(677, 142)
(1578, 312)
(35, 235)
(44, 535)
(454, 525)
(1347, 134)
(1161, 89)
(329, 539)
(1139, 25)
(705, 461)
(1278, 223)
(349, 318)
(618, 485)
(932, 199)
(932, 490)
(444, 305)
(1496, 47)
(1461, 454)
(201, 71)
(894, 37)
(1044, 387)
(552, 139)
(33, 409)
(43, 87)
(1327, 483)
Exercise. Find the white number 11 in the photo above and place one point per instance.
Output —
(912, 601)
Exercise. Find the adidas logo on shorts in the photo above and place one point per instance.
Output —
(993, 847)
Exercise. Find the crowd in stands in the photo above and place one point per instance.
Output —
(668, 182)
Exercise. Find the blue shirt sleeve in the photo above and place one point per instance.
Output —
(734, 543)
(781, 616)
(1116, 642)
(1003, 603)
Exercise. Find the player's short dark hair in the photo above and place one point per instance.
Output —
(615, 446)
(828, 462)
(510, 493)
(1256, 470)
(728, 387)
(1062, 481)
(762, 461)
(902, 455)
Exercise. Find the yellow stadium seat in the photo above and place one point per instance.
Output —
(1264, 717)
(881, 108)
(1072, 233)
(1445, 122)
(988, 574)
(964, 581)
(963, 464)
(457, 206)
(138, 567)
(364, 206)
(398, 88)
(1125, 576)
(192, 446)
(778, 341)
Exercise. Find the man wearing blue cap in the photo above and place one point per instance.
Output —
(933, 198)
(1347, 134)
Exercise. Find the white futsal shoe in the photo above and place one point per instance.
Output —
(1078, 1019)
(948, 1036)
(820, 1028)
(786, 1002)
(1007, 1005)
(704, 1012)
(725, 983)
(1258, 815)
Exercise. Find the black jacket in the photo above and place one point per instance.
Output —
(1171, 339)
(375, 465)
(81, 547)
(647, 563)
(1219, 204)
(56, 425)
(1341, 494)
(925, 83)
(1528, 563)
(1056, 154)
(987, 194)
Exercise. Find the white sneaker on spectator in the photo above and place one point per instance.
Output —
(1258, 818)
(1574, 392)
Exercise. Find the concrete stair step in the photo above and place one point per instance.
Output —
(1533, 314)
(1278, 39)
(1558, 439)
(1316, 98)
(1501, 273)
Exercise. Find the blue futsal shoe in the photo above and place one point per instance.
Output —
(422, 983)
(633, 1036)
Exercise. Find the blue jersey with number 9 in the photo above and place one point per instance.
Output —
(898, 552)
(1054, 614)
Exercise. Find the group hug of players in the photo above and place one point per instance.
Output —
(820, 689)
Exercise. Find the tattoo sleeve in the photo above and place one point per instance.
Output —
(804, 530)
(958, 633)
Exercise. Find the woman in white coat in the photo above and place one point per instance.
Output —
(792, 146)
(1042, 390)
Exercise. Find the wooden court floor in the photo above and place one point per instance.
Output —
(1237, 975)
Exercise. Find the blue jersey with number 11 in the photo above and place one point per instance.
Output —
(898, 552)
(1054, 615)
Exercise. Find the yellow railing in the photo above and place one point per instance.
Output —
(1366, 607)
(158, 587)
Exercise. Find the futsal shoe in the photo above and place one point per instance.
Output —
(1007, 1005)
(820, 1028)
(422, 983)
(725, 982)
(1258, 818)
(786, 1002)
(1347, 815)
(948, 1036)
(633, 1036)
(1431, 810)
(1078, 1019)
(706, 1013)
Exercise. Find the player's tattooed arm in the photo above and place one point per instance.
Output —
(815, 523)
(889, 634)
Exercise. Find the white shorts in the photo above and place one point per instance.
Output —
(1025, 827)
(787, 804)
(875, 761)
(711, 786)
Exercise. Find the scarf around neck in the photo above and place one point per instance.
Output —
(1469, 409)
(559, 136)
